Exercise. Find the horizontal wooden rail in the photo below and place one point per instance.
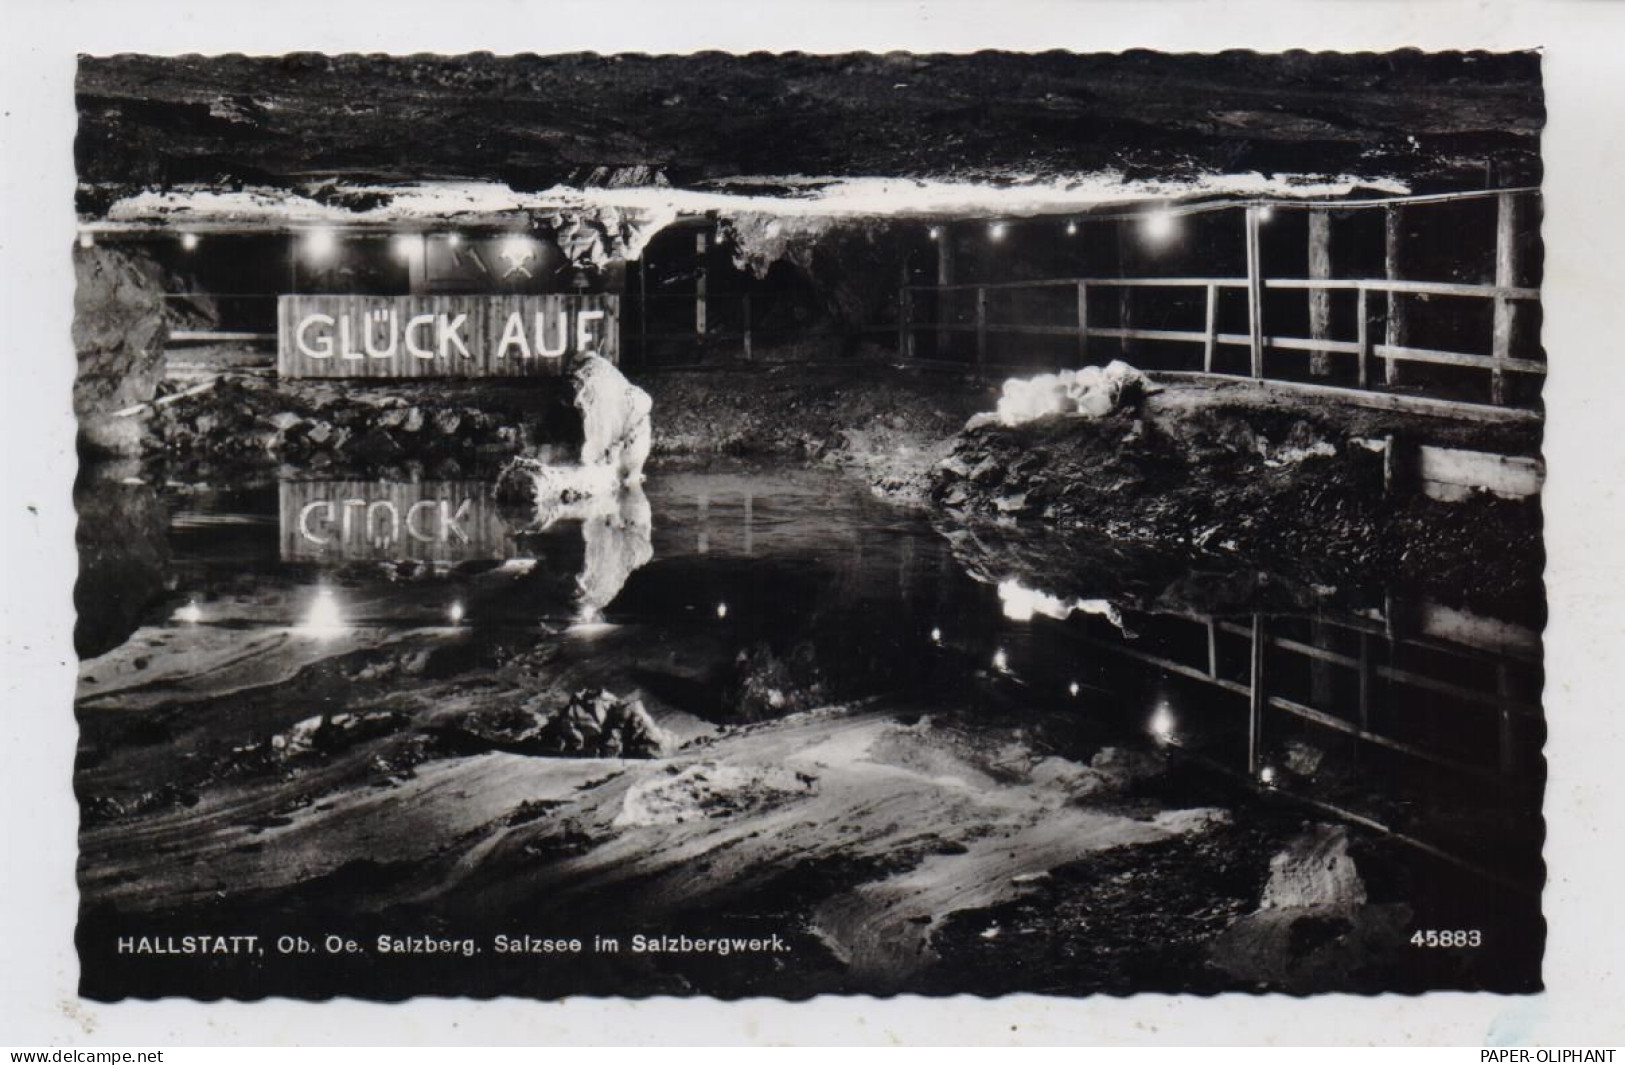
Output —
(1391, 673)
(1192, 336)
(1369, 355)
(1210, 676)
(1092, 282)
(1420, 288)
(1361, 397)
(206, 336)
(1456, 358)
(1337, 724)
(1169, 664)
(1367, 284)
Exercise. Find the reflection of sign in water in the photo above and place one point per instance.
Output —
(442, 336)
(367, 520)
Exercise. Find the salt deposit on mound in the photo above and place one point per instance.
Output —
(1091, 391)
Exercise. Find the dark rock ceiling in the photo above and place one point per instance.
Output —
(1436, 121)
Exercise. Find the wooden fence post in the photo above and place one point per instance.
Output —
(643, 311)
(1125, 303)
(1256, 699)
(905, 312)
(700, 298)
(1366, 678)
(1211, 328)
(1395, 334)
(417, 264)
(1320, 299)
(981, 327)
(945, 277)
(1212, 648)
(1506, 276)
(1255, 295)
(1083, 324)
(1362, 323)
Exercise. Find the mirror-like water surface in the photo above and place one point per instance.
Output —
(740, 604)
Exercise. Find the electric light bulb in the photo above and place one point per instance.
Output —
(319, 244)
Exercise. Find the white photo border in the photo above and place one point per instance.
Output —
(1584, 301)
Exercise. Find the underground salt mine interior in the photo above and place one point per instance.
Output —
(791, 525)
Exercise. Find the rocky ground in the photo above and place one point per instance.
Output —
(975, 846)
(889, 426)
(1183, 481)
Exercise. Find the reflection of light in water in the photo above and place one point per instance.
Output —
(722, 610)
(591, 629)
(455, 613)
(323, 618)
(936, 635)
(1001, 661)
(1072, 689)
(1267, 776)
(1162, 723)
(190, 613)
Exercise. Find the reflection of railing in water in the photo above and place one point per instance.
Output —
(1507, 707)
(1257, 688)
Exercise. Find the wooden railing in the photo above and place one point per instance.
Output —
(1366, 348)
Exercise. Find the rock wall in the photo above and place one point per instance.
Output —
(851, 263)
(119, 330)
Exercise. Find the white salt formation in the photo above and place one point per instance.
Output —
(1021, 603)
(615, 444)
(1091, 391)
(605, 491)
(614, 418)
(1315, 870)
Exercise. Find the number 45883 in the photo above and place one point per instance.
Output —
(1458, 937)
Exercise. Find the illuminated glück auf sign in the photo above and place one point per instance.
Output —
(442, 336)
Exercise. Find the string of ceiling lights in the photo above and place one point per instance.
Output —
(1160, 223)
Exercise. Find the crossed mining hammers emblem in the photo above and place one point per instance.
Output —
(516, 259)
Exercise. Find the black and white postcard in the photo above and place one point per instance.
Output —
(779, 524)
